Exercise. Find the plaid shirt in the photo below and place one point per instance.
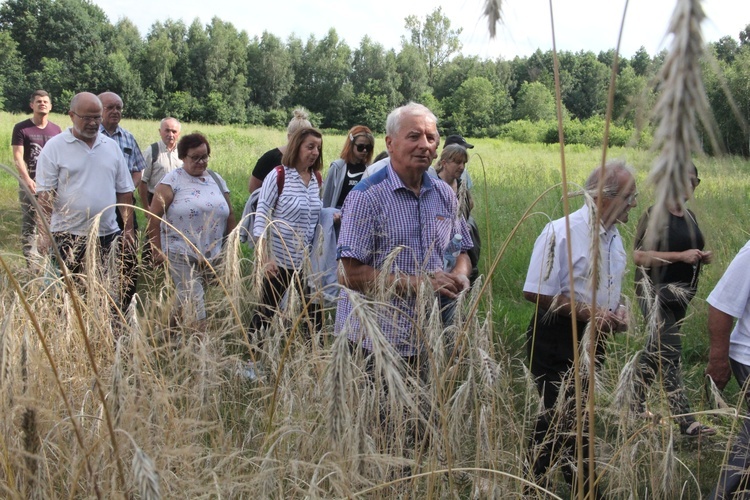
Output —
(128, 145)
(381, 215)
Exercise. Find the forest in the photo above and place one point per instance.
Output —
(215, 73)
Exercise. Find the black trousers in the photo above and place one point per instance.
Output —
(550, 350)
(129, 266)
(272, 291)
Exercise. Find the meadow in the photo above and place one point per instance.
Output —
(83, 415)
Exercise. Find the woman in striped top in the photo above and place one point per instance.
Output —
(288, 211)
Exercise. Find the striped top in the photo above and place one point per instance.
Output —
(382, 215)
(290, 218)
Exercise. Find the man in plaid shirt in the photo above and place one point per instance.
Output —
(395, 226)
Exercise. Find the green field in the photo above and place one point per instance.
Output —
(230, 440)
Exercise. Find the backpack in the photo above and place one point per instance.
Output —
(251, 206)
(154, 153)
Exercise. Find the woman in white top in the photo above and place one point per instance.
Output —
(288, 211)
(197, 212)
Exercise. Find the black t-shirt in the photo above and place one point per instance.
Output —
(351, 178)
(681, 233)
(270, 160)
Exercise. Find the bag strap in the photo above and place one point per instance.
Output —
(154, 153)
(214, 176)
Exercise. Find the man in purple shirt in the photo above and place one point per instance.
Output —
(395, 226)
(29, 137)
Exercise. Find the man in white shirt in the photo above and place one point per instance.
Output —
(165, 160)
(551, 341)
(80, 174)
(730, 353)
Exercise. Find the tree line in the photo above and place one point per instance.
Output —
(213, 73)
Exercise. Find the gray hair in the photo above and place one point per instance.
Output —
(164, 120)
(393, 122)
(611, 187)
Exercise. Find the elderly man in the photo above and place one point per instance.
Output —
(81, 173)
(161, 158)
(395, 226)
(563, 296)
(730, 353)
(29, 137)
(111, 115)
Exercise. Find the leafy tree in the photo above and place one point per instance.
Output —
(125, 81)
(11, 73)
(226, 67)
(641, 61)
(25, 20)
(632, 98)
(413, 73)
(434, 38)
(158, 60)
(534, 102)
(322, 80)
(473, 108)
(588, 93)
(270, 74)
(726, 49)
(374, 72)
(745, 36)
(127, 39)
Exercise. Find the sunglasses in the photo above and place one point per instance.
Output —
(363, 147)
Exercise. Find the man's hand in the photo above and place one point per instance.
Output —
(719, 371)
(449, 284)
(271, 269)
(128, 239)
(31, 184)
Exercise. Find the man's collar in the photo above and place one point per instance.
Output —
(396, 182)
(590, 211)
(103, 130)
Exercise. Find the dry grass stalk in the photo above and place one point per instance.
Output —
(681, 103)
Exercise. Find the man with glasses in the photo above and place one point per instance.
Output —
(81, 174)
(111, 115)
(563, 295)
(29, 137)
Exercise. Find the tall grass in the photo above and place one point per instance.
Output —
(184, 424)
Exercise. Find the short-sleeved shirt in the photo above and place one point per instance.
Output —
(381, 215)
(86, 181)
(33, 139)
(156, 168)
(548, 270)
(129, 147)
(732, 296)
(199, 211)
(290, 218)
(270, 160)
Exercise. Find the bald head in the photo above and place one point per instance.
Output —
(86, 114)
(112, 110)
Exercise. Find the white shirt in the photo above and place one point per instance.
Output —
(543, 280)
(732, 296)
(86, 180)
(290, 218)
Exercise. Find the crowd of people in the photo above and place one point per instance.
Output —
(390, 223)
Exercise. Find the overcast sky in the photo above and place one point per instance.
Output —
(579, 24)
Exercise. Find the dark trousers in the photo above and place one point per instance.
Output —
(272, 291)
(734, 480)
(662, 357)
(28, 223)
(129, 265)
(550, 349)
(73, 251)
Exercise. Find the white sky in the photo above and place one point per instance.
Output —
(579, 24)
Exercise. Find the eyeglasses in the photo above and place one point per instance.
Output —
(631, 199)
(362, 147)
(695, 182)
(88, 118)
(199, 159)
